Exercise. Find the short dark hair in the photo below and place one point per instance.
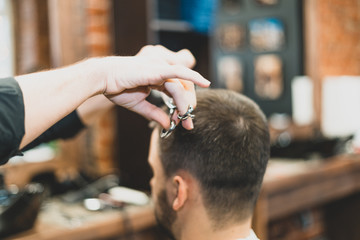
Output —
(227, 152)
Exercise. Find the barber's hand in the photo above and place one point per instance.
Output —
(130, 80)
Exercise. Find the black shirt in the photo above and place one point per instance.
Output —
(12, 125)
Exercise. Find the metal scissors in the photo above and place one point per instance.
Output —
(169, 102)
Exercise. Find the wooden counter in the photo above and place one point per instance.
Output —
(292, 187)
(58, 220)
(72, 221)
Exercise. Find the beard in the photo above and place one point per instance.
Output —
(165, 215)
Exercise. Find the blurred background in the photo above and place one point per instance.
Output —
(298, 59)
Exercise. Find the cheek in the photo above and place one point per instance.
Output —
(153, 186)
(152, 182)
(156, 184)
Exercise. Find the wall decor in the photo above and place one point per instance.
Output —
(266, 37)
(266, 34)
(231, 36)
(230, 73)
(268, 76)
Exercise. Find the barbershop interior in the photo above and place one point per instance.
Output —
(299, 60)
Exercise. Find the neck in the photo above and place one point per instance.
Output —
(200, 227)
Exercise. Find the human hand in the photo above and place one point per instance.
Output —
(130, 79)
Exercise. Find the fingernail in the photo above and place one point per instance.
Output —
(191, 125)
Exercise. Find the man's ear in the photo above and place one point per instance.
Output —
(180, 194)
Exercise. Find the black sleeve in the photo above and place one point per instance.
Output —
(12, 126)
(67, 127)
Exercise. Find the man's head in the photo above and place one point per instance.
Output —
(223, 159)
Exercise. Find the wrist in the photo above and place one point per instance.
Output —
(95, 76)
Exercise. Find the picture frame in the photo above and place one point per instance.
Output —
(268, 76)
(231, 36)
(266, 34)
(230, 73)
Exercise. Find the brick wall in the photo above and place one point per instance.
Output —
(339, 37)
(332, 41)
(99, 24)
(99, 43)
(80, 29)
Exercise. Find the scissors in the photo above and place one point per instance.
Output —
(169, 102)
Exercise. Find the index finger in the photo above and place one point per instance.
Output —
(183, 94)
